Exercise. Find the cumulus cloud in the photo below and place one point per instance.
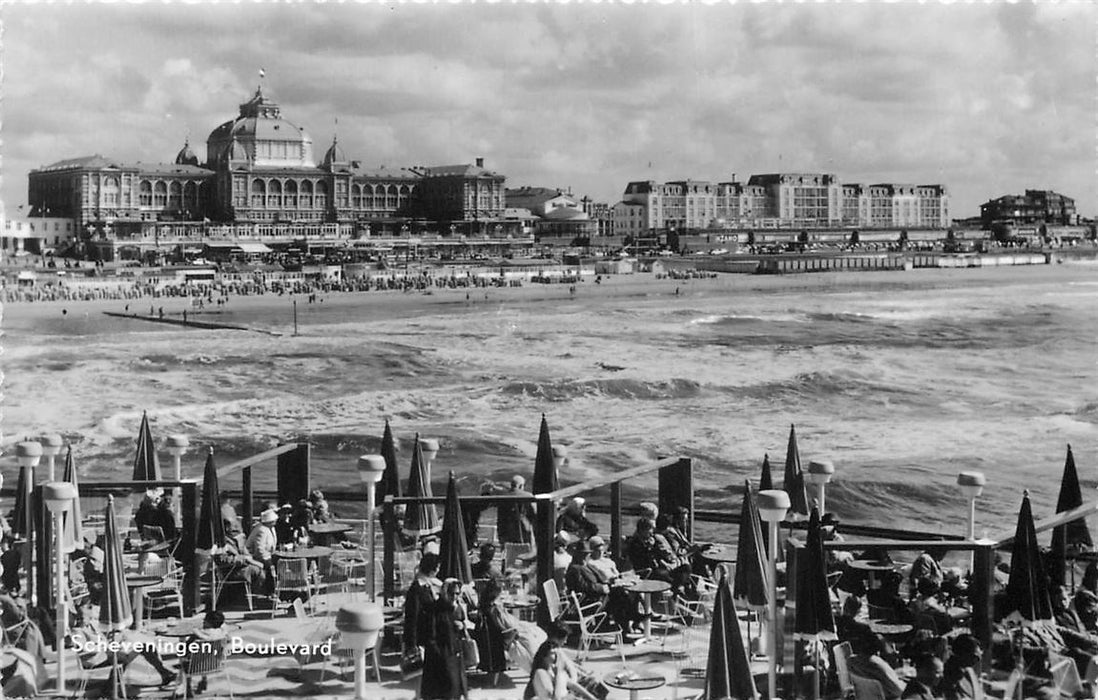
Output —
(988, 99)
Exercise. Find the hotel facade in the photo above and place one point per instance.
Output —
(778, 201)
(261, 181)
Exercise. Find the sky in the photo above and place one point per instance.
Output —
(988, 99)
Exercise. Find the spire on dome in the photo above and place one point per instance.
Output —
(186, 156)
(335, 155)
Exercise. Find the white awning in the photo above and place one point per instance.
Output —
(254, 247)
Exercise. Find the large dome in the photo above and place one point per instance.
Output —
(267, 138)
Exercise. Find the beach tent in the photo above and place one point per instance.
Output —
(545, 471)
(793, 482)
(1073, 536)
(390, 479)
(814, 620)
(420, 518)
(453, 550)
(1027, 594)
(728, 669)
(146, 465)
(750, 578)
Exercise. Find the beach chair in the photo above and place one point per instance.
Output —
(843, 652)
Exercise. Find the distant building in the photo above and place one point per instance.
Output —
(554, 214)
(778, 200)
(35, 234)
(260, 180)
(1035, 207)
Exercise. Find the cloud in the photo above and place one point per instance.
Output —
(988, 99)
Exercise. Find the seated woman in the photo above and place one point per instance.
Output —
(550, 660)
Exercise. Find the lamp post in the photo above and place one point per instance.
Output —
(972, 485)
(177, 445)
(358, 627)
(59, 496)
(429, 447)
(370, 469)
(28, 454)
(819, 474)
(51, 447)
(773, 505)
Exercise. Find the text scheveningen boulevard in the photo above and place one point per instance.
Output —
(236, 645)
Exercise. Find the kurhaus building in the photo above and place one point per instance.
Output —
(778, 200)
(261, 180)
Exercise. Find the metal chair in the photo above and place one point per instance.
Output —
(293, 575)
(843, 652)
(588, 628)
(206, 661)
(166, 595)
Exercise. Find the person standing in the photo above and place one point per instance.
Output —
(418, 600)
(443, 658)
(494, 634)
(515, 520)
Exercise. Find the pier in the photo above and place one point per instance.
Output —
(207, 325)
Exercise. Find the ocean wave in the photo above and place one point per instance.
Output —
(825, 386)
(607, 388)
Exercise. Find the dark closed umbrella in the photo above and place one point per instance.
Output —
(115, 612)
(421, 518)
(545, 471)
(211, 528)
(793, 481)
(1027, 595)
(390, 480)
(146, 465)
(453, 549)
(766, 481)
(728, 670)
(814, 617)
(73, 518)
(1074, 536)
(750, 584)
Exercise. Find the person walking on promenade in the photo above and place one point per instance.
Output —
(443, 658)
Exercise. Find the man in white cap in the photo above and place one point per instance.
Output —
(262, 541)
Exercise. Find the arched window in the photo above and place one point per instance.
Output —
(175, 196)
(306, 194)
(259, 192)
(110, 192)
(274, 194)
(379, 197)
(145, 193)
(160, 195)
(391, 197)
(356, 197)
(321, 195)
(289, 199)
(190, 195)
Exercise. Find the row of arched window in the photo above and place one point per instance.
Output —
(309, 194)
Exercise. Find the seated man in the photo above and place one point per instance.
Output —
(234, 565)
(624, 607)
(261, 545)
(653, 557)
(926, 610)
(847, 625)
(960, 679)
(582, 580)
(485, 566)
(574, 520)
(928, 675)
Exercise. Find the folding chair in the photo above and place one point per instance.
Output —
(292, 575)
(206, 661)
(843, 652)
(588, 629)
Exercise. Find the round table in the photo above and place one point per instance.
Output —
(324, 531)
(646, 587)
(523, 607)
(621, 681)
(887, 629)
(719, 555)
(316, 552)
(873, 568)
(135, 584)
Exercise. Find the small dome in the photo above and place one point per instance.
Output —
(334, 155)
(186, 156)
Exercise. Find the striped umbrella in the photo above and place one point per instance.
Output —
(74, 530)
(728, 670)
(1027, 593)
(750, 584)
(421, 518)
(453, 550)
(545, 471)
(146, 465)
(390, 480)
(114, 609)
(793, 482)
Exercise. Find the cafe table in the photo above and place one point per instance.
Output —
(719, 555)
(633, 683)
(323, 532)
(872, 568)
(523, 606)
(314, 552)
(646, 587)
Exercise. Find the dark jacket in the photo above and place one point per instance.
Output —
(417, 602)
(584, 582)
(493, 637)
(515, 521)
(443, 662)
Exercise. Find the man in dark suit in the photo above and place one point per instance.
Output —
(928, 676)
(581, 579)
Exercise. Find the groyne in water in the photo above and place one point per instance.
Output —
(809, 262)
(208, 325)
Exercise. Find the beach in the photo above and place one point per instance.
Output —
(902, 378)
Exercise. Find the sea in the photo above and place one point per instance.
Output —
(901, 379)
